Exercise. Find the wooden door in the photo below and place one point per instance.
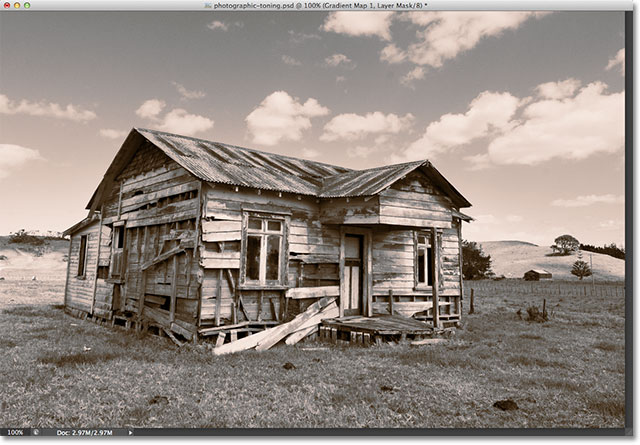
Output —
(353, 274)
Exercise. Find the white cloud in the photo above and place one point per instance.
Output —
(310, 153)
(282, 117)
(300, 37)
(488, 113)
(217, 24)
(445, 34)
(360, 23)
(46, 109)
(569, 128)
(478, 162)
(110, 133)
(181, 122)
(188, 94)
(360, 151)
(588, 200)
(222, 26)
(338, 59)
(352, 126)
(611, 224)
(150, 108)
(514, 218)
(416, 73)
(558, 90)
(618, 60)
(392, 54)
(288, 60)
(14, 156)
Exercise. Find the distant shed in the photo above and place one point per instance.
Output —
(537, 275)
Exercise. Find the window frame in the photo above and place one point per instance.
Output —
(118, 236)
(83, 254)
(263, 233)
(428, 265)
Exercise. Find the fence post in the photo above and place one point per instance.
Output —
(471, 309)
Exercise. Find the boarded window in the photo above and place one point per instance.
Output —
(82, 256)
(264, 245)
(424, 260)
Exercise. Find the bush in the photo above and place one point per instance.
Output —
(22, 237)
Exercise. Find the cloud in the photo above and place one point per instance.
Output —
(415, 74)
(514, 218)
(150, 108)
(588, 200)
(618, 60)
(110, 133)
(359, 23)
(339, 59)
(611, 224)
(445, 34)
(222, 26)
(392, 54)
(45, 109)
(188, 94)
(310, 153)
(299, 37)
(282, 117)
(181, 122)
(575, 124)
(15, 156)
(558, 90)
(488, 113)
(569, 128)
(352, 126)
(288, 60)
(360, 151)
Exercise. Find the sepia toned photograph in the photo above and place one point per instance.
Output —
(343, 220)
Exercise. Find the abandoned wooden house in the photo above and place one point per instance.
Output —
(537, 275)
(195, 236)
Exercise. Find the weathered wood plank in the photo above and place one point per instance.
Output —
(313, 292)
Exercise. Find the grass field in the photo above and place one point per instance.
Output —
(567, 372)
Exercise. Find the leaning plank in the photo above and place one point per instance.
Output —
(172, 337)
(307, 328)
(428, 341)
(182, 331)
(158, 315)
(313, 292)
(211, 331)
(269, 334)
(279, 332)
(162, 257)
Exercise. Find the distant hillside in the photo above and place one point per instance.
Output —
(513, 258)
(24, 260)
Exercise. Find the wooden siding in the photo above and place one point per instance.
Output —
(79, 291)
(415, 202)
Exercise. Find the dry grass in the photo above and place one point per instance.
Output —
(559, 373)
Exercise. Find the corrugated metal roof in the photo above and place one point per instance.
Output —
(228, 164)
(365, 182)
(223, 163)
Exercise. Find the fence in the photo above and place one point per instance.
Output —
(585, 288)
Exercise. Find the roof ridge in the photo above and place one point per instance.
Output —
(140, 129)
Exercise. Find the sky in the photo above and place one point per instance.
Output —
(522, 112)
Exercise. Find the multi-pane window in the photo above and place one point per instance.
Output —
(264, 240)
(82, 257)
(424, 260)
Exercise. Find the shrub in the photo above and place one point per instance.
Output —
(22, 237)
(475, 263)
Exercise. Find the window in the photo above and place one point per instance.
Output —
(117, 249)
(82, 256)
(424, 260)
(264, 250)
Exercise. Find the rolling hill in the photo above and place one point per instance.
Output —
(25, 260)
(513, 258)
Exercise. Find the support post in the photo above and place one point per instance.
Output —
(435, 280)
(174, 289)
(391, 301)
(471, 309)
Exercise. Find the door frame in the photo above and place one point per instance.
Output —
(367, 278)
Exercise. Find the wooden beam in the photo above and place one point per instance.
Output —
(459, 299)
(241, 304)
(95, 278)
(391, 301)
(143, 288)
(174, 289)
(435, 279)
(66, 284)
(313, 292)
(162, 257)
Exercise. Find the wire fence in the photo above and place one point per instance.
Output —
(584, 288)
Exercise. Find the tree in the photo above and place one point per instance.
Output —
(580, 268)
(475, 263)
(566, 244)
